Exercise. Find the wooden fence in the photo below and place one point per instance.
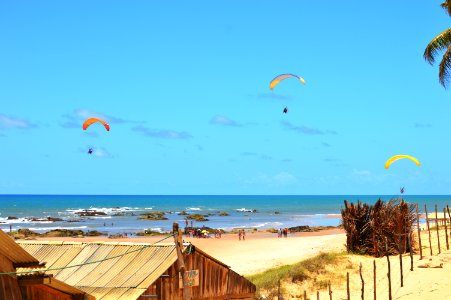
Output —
(441, 223)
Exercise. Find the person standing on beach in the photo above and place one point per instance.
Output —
(244, 234)
(239, 234)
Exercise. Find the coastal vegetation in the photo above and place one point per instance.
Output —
(439, 43)
(380, 228)
(316, 270)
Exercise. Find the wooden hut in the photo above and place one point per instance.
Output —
(36, 286)
(123, 270)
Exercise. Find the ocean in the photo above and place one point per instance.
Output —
(122, 212)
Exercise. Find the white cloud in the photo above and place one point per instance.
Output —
(223, 120)
(280, 179)
(8, 122)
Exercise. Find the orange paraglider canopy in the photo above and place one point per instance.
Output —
(90, 121)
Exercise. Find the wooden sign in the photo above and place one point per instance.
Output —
(191, 278)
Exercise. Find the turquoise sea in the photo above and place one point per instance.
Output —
(244, 211)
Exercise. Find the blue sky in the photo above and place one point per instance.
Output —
(185, 88)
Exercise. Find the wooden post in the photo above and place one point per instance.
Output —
(374, 279)
(180, 262)
(317, 295)
(278, 292)
(363, 282)
(419, 234)
(438, 233)
(305, 295)
(409, 240)
(330, 292)
(446, 229)
(449, 214)
(429, 231)
(347, 286)
(400, 269)
(388, 273)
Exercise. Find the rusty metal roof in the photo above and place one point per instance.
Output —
(133, 267)
(15, 253)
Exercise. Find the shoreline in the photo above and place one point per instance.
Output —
(259, 251)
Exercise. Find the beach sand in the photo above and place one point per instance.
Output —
(261, 251)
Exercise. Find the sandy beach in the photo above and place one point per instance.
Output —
(261, 251)
(258, 252)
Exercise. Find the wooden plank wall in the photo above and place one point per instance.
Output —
(9, 287)
(216, 281)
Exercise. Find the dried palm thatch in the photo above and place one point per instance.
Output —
(379, 228)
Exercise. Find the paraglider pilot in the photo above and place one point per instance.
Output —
(285, 110)
(90, 151)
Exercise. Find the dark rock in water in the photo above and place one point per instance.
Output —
(23, 234)
(52, 219)
(154, 215)
(74, 221)
(198, 217)
(63, 233)
(118, 214)
(11, 218)
(90, 213)
(94, 233)
(149, 232)
(183, 213)
(224, 214)
(302, 228)
(277, 213)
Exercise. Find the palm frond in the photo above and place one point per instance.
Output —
(444, 73)
(439, 43)
(447, 6)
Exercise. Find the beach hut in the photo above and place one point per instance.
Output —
(124, 270)
(37, 286)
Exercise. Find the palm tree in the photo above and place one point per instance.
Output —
(439, 43)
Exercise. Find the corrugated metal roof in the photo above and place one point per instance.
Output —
(124, 276)
(15, 253)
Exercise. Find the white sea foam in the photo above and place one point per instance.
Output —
(193, 208)
(244, 209)
(106, 210)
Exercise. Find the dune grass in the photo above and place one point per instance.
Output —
(308, 269)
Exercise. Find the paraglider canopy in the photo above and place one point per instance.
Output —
(281, 77)
(400, 156)
(90, 121)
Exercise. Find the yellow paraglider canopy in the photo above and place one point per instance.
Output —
(281, 77)
(400, 156)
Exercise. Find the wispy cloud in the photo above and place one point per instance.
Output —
(162, 133)
(306, 130)
(325, 144)
(98, 152)
(76, 118)
(422, 125)
(9, 122)
(280, 179)
(223, 120)
(273, 96)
